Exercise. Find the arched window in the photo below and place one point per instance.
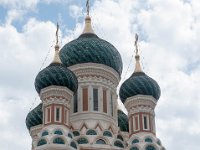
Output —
(95, 99)
(58, 132)
(82, 140)
(76, 102)
(91, 132)
(73, 144)
(107, 133)
(100, 141)
(135, 141)
(42, 142)
(70, 135)
(134, 148)
(150, 147)
(120, 137)
(76, 133)
(158, 142)
(118, 144)
(45, 133)
(148, 140)
(58, 141)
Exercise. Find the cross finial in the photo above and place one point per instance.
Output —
(57, 34)
(136, 43)
(88, 7)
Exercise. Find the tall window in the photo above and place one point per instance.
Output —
(145, 122)
(76, 102)
(95, 99)
(47, 115)
(57, 114)
(111, 103)
(104, 101)
(85, 99)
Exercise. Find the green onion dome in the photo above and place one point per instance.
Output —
(89, 48)
(56, 74)
(34, 117)
(139, 84)
(123, 121)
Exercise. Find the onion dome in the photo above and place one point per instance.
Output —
(34, 117)
(89, 48)
(123, 121)
(56, 74)
(139, 84)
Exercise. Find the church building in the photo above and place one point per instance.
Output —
(79, 108)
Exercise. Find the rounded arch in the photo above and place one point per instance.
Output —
(118, 143)
(135, 141)
(58, 137)
(58, 140)
(70, 135)
(134, 148)
(44, 133)
(82, 140)
(120, 137)
(58, 132)
(42, 141)
(107, 133)
(150, 147)
(76, 133)
(101, 138)
(148, 139)
(91, 132)
(74, 144)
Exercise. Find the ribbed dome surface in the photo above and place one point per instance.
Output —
(139, 84)
(123, 121)
(34, 117)
(89, 48)
(56, 74)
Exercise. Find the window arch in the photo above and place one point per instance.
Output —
(73, 144)
(158, 142)
(58, 141)
(70, 135)
(82, 140)
(135, 141)
(119, 144)
(42, 142)
(58, 132)
(120, 137)
(148, 140)
(44, 133)
(100, 141)
(107, 133)
(134, 148)
(150, 147)
(76, 133)
(91, 132)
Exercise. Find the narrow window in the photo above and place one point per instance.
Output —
(111, 103)
(57, 114)
(95, 99)
(76, 102)
(47, 115)
(85, 99)
(104, 101)
(145, 122)
(66, 116)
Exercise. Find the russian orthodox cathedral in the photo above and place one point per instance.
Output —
(79, 108)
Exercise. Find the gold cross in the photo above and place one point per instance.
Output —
(57, 34)
(136, 43)
(88, 7)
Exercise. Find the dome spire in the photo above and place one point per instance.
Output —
(88, 26)
(137, 57)
(56, 55)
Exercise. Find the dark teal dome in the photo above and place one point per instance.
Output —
(56, 74)
(139, 84)
(34, 117)
(89, 48)
(123, 121)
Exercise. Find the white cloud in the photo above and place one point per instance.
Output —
(169, 49)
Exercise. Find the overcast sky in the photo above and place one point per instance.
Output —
(169, 33)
